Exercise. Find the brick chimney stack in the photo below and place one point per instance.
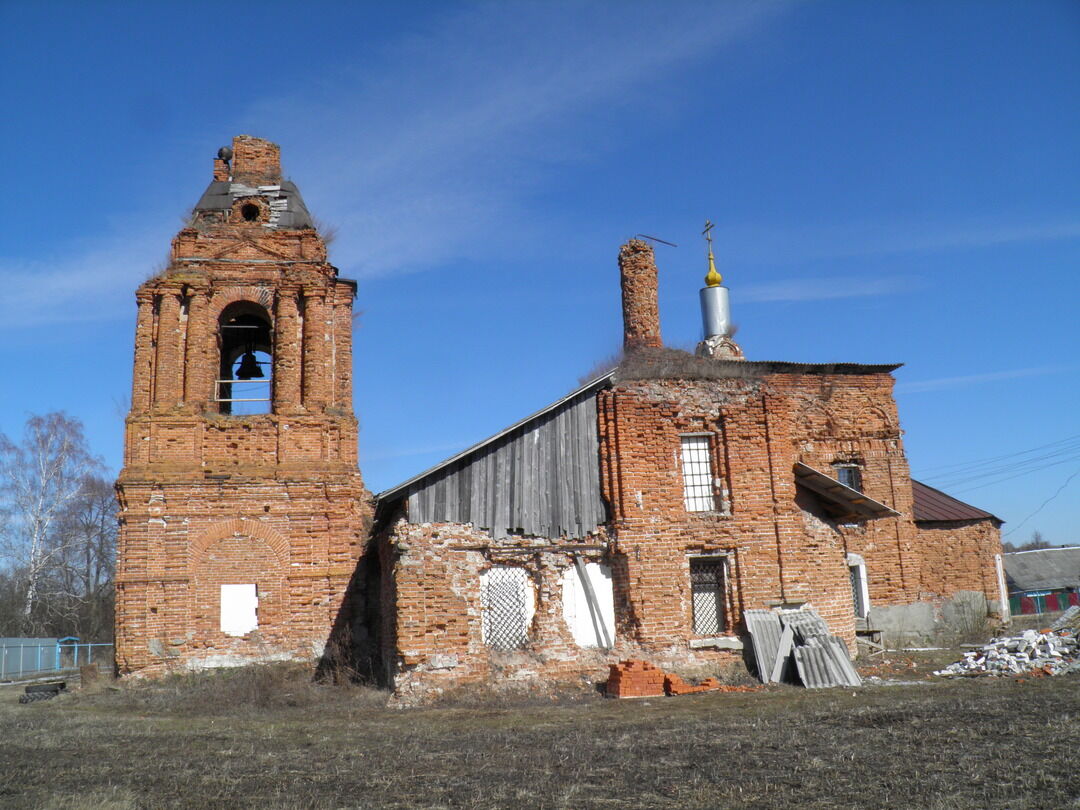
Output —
(255, 162)
(641, 312)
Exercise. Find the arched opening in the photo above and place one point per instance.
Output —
(250, 212)
(244, 372)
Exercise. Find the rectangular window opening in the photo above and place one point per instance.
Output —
(858, 588)
(699, 494)
(850, 475)
(507, 600)
(707, 595)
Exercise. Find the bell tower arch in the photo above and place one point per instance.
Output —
(241, 415)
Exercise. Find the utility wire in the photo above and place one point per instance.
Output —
(1002, 477)
(1044, 503)
(1030, 465)
(962, 465)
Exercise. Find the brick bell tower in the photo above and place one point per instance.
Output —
(243, 514)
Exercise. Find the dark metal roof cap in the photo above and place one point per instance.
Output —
(286, 205)
(934, 505)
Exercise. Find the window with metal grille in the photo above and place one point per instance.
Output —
(697, 474)
(860, 592)
(707, 593)
(850, 475)
(506, 596)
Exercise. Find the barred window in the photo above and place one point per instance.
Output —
(850, 475)
(707, 593)
(506, 598)
(697, 474)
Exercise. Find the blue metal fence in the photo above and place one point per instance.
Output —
(32, 657)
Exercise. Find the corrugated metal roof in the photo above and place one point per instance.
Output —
(824, 662)
(845, 500)
(1043, 570)
(933, 504)
(765, 631)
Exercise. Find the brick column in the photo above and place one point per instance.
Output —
(641, 312)
(342, 371)
(167, 372)
(201, 361)
(142, 379)
(316, 349)
(287, 355)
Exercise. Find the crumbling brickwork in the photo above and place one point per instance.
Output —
(641, 312)
(958, 556)
(781, 549)
(209, 498)
(722, 484)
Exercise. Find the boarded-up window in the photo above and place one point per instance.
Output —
(697, 474)
(707, 592)
(860, 589)
(591, 621)
(506, 596)
(239, 609)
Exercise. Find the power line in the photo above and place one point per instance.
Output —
(1020, 467)
(1003, 477)
(958, 466)
(1044, 503)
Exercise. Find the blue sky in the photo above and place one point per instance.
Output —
(891, 182)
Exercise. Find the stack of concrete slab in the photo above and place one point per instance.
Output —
(1055, 652)
(795, 646)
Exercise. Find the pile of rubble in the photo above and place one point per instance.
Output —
(1052, 652)
(642, 679)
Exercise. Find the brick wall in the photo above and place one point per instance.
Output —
(782, 547)
(206, 498)
(958, 555)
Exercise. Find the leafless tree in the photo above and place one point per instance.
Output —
(77, 589)
(41, 479)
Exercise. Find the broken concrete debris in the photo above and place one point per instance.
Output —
(1054, 652)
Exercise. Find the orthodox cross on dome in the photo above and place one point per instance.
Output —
(712, 278)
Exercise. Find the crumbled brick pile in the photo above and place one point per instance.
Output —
(674, 685)
(642, 679)
(1053, 652)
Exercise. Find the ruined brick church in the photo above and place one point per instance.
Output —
(638, 516)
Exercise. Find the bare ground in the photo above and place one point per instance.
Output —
(269, 738)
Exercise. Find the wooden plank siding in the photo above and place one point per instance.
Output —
(541, 478)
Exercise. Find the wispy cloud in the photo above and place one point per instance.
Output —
(433, 151)
(821, 289)
(93, 282)
(781, 244)
(978, 379)
(433, 146)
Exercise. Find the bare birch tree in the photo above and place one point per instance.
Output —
(40, 479)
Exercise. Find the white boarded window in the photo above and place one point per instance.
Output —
(239, 609)
(697, 474)
(707, 594)
(591, 621)
(506, 597)
(860, 588)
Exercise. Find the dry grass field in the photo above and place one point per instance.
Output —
(266, 737)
